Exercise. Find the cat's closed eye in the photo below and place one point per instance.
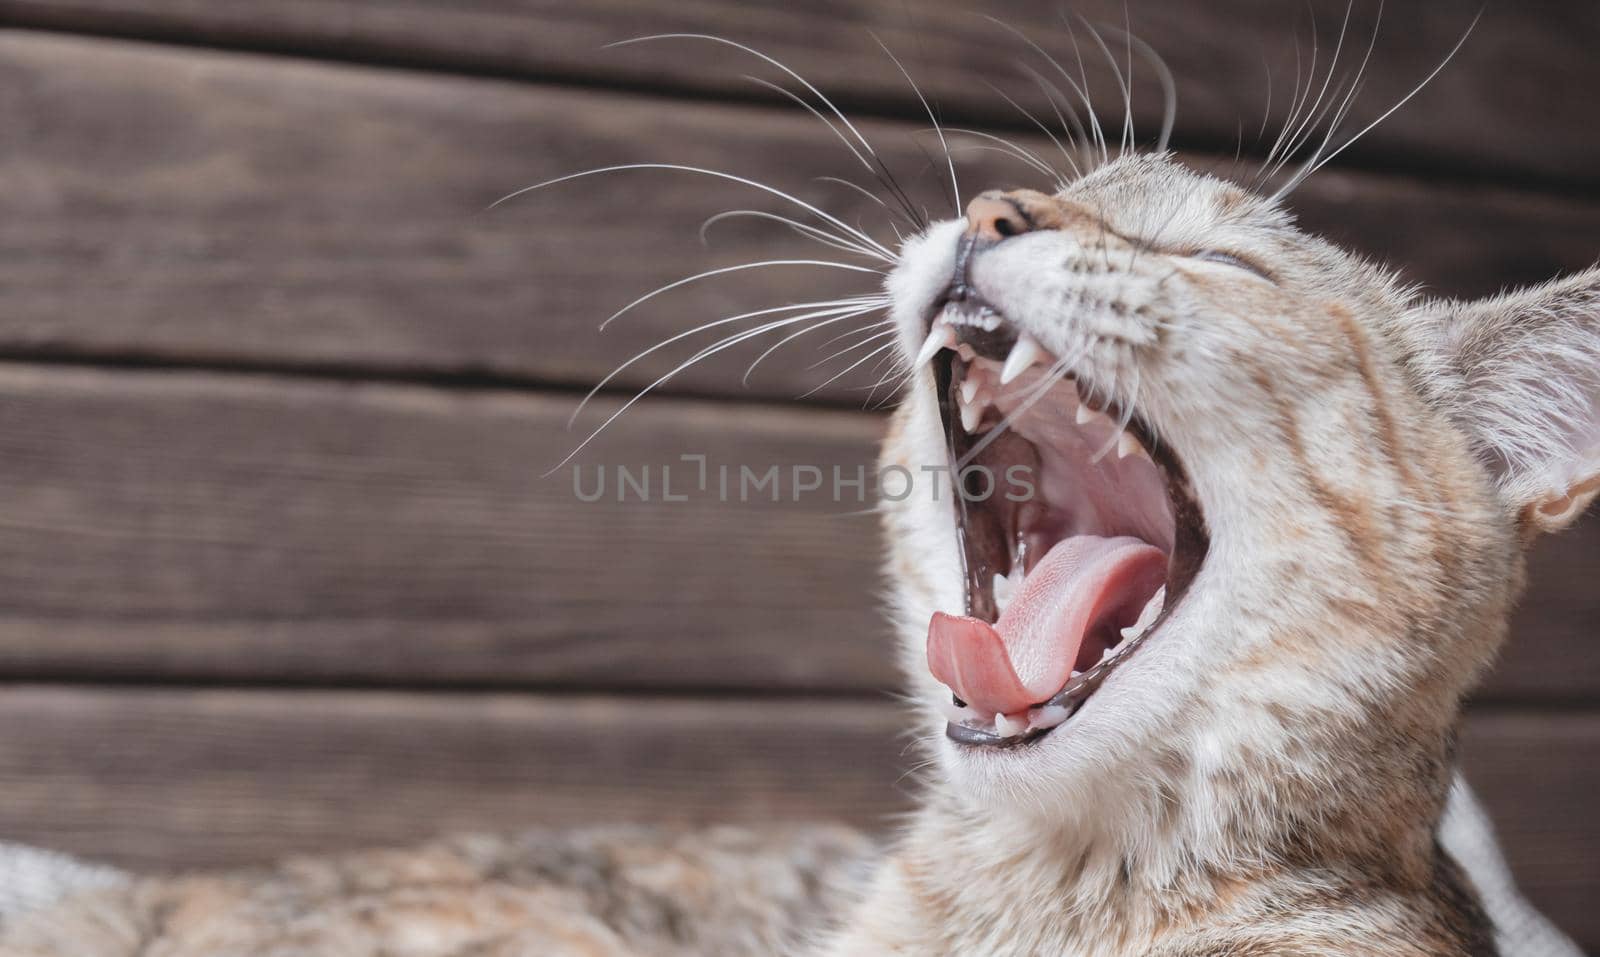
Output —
(1229, 259)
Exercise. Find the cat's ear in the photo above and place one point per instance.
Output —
(1520, 373)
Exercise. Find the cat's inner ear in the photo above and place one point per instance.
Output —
(1520, 373)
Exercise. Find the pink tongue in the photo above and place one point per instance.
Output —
(1083, 582)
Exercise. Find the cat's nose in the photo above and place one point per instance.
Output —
(994, 216)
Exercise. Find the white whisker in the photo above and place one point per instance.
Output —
(1007, 146)
(851, 348)
(762, 56)
(855, 332)
(806, 229)
(824, 308)
(1071, 126)
(1169, 89)
(1389, 112)
(1083, 73)
(718, 174)
(1297, 138)
(800, 102)
(955, 188)
(1061, 179)
(869, 194)
(762, 264)
(745, 379)
(1297, 98)
(1097, 135)
(711, 350)
(846, 370)
(1044, 171)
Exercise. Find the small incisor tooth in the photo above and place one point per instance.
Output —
(1048, 716)
(1024, 354)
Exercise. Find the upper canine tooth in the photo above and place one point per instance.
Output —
(940, 337)
(1127, 445)
(1024, 354)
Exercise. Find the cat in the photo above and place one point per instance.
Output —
(1193, 696)
(1281, 506)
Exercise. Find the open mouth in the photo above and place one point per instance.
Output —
(1078, 532)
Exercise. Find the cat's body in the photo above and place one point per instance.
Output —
(605, 893)
(602, 893)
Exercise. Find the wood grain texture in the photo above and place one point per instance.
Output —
(174, 206)
(161, 778)
(196, 527)
(1554, 650)
(1504, 106)
(260, 529)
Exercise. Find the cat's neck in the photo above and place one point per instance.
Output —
(1168, 854)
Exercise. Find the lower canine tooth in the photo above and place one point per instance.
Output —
(1005, 726)
(969, 389)
(1152, 610)
(953, 714)
(1084, 415)
(1127, 445)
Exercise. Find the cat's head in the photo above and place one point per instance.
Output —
(1270, 502)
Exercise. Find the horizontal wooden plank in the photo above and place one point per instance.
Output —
(257, 529)
(1520, 74)
(1554, 649)
(163, 778)
(199, 527)
(172, 205)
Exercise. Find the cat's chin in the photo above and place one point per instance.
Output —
(1078, 533)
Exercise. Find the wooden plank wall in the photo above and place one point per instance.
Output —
(278, 569)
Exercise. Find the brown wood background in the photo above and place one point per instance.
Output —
(278, 571)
